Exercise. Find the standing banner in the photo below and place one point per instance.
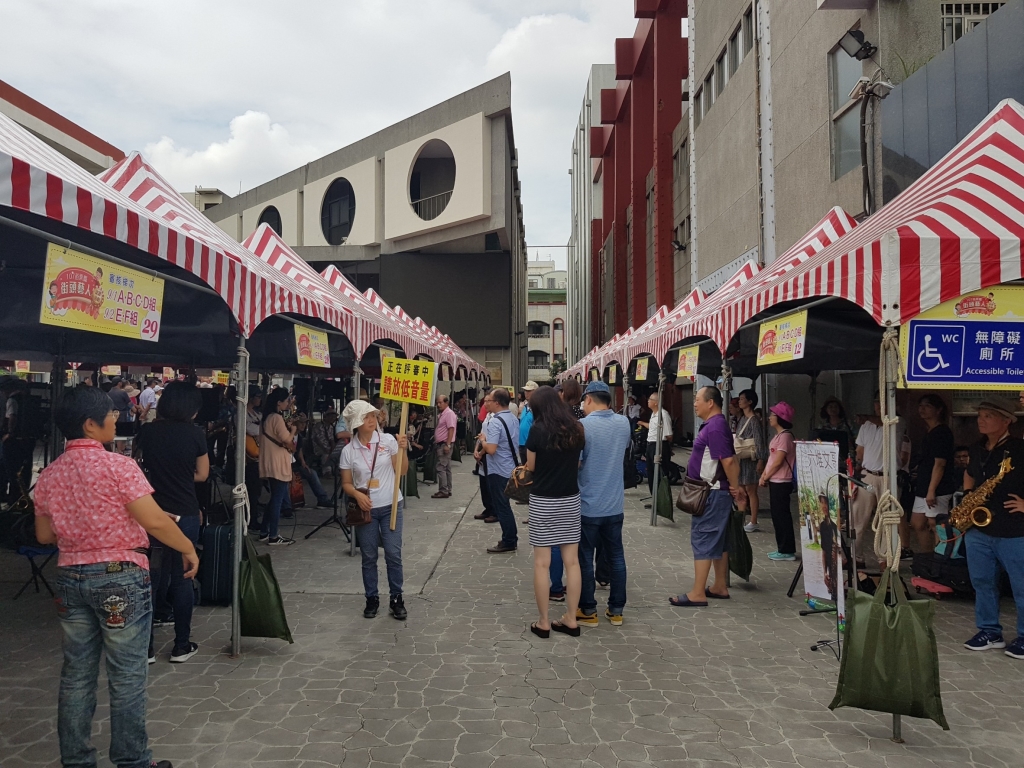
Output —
(90, 294)
(641, 369)
(782, 339)
(817, 465)
(312, 347)
(975, 341)
(686, 368)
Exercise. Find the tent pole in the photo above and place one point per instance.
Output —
(58, 375)
(625, 395)
(894, 534)
(656, 469)
(240, 493)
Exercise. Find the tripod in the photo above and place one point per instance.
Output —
(334, 519)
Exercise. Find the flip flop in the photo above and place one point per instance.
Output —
(544, 634)
(558, 626)
(713, 596)
(682, 601)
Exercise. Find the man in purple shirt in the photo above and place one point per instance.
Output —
(714, 461)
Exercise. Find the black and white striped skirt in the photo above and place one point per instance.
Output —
(554, 521)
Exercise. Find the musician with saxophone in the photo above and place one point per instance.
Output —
(992, 518)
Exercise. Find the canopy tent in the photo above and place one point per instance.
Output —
(645, 340)
(956, 229)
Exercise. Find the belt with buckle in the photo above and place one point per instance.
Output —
(872, 472)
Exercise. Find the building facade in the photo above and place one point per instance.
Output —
(546, 329)
(71, 140)
(586, 207)
(427, 212)
(763, 124)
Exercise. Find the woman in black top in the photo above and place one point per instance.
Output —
(175, 458)
(553, 455)
(935, 484)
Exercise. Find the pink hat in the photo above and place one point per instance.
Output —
(783, 410)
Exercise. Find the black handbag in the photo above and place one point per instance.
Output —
(354, 514)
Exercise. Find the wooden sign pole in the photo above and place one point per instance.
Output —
(403, 426)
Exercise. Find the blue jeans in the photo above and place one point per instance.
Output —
(503, 510)
(167, 569)
(556, 570)
(112, 613)
(279, 500)
(371, 536)
(987, 556)
(604, 533)
(311, 477)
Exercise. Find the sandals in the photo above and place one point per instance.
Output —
(715, 595)
(558, 626)
(544, 634)
(682, 601)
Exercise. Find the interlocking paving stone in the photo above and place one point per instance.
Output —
(463, 682)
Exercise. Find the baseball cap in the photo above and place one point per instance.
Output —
(783, 410)
(597, 386)
(530, 386)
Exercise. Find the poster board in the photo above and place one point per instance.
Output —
(782, 339)
(312, 347)
(408, 381)
(686, 368)
(817, 465)
(641, 369)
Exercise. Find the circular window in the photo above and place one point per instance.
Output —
(272, 218)
(433, 180)
(338, 211)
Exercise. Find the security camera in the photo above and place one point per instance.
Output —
(678, 246)
(882, 88)
(860, 89)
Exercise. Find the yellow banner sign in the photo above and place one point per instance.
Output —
(408, 381)
(22, 366)
(312, 347)
(687, 366)
(222, 377)
(782, 339)
(613, 374)
(91, 294)
(641, 369)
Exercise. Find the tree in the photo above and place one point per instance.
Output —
(557, 367)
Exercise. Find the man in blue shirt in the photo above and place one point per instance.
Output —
(525, 419)
(501, 437)
(602, 501)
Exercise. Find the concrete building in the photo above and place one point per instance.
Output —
(546, 313)
(586, 207)
(205, 197)
(71, 140)
(763, 119)
(427, 212)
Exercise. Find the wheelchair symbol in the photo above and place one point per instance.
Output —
(929, 353)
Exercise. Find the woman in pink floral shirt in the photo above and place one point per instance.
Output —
(97, 507)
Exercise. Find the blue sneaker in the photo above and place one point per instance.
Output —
(984, 641)
(781, 556)
(1016, 648)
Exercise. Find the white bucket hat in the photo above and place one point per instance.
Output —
(355, 413)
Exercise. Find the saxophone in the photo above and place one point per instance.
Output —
(972, 510)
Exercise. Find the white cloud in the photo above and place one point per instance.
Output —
(243, 90)
(255, 151)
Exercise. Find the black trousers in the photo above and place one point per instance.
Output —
(782, 518)
(485, 495)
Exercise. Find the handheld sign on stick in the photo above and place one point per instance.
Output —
(407, 381)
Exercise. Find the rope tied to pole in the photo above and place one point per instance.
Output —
(241, 496)
(889, 513)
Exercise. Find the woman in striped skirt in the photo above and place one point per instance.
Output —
(553, 455)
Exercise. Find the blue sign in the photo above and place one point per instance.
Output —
(967, 353)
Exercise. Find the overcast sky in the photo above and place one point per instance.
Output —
(231, 94)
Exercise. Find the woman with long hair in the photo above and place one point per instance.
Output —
(175, 456)
(553, 455)
(778, 477)
(277, 444)
(751, 428)
(833, 418)
(572, 394)
(934, 486)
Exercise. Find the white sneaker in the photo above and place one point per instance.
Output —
(751, 527)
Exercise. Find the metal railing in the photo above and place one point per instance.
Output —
(544, 335)
(429, 208)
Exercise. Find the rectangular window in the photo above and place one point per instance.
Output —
(748, 31)
(721, 76)
(734, 53)
(709, 91)
(960, 18)
(695, 105)
(844, 71)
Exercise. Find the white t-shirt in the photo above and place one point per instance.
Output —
(633, 412)
(666, 428)
(359, 459)
(148, 398)
(870, 439)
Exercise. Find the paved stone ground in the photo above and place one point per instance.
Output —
(464, 683)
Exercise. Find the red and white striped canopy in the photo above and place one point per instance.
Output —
(646, 339)
(956, 229)
(252, 289)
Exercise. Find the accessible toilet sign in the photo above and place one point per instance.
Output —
(975, 341)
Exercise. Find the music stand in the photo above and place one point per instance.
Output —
(334, 519)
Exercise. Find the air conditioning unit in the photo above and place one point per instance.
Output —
(845, 5)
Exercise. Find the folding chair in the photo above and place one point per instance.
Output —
(30, 554)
